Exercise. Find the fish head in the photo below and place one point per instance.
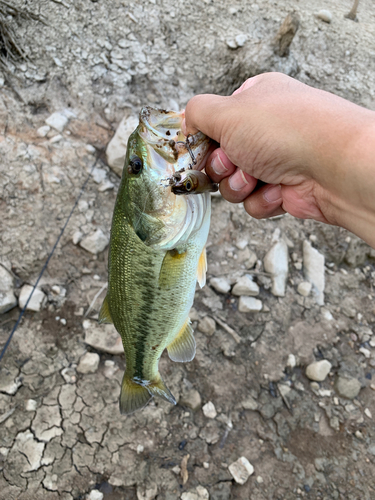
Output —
(156, 151)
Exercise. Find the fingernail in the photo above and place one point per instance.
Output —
(237, 181)
(218, 166)
(273, 193)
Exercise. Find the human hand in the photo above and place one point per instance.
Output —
(312, 150)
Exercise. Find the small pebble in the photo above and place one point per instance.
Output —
(95, 495)
(221, 285)
(318, 370)
(326, 16)
(291, 363)
(249, 304)
(207, 326)
(88, 363)
(347, 387)
(245, 286)
(368, 413)
(209, 410)
(43, 131)
(304, 288)
(241, 470)
(31, 405)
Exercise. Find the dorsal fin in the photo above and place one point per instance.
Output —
(202, 268)
(104, 314)
(182, 349)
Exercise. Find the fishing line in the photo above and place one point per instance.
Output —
(48, 259)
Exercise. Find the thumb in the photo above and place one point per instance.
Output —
(207, 113)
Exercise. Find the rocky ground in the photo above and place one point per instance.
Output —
(279, 401)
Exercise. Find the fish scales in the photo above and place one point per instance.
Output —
(157, 253)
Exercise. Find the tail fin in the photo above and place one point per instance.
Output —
(135, 396)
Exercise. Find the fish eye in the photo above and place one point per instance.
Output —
(188, 186)
(135, 165)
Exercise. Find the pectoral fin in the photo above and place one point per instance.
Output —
(202, 268)
(170, 271)
(104, 314)
(182, 349)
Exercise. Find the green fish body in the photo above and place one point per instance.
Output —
(157, 254)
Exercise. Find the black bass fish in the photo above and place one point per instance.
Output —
(157, 251)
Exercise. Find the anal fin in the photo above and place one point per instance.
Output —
(183, 347)
(104, 314)
(202, 268)
(158, 388)
(133, 396)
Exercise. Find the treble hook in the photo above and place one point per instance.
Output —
(187, 146)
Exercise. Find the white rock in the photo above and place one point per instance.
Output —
(29, 448)
(116, 149)
(102, 337)
(313, 266)
(106, 185)
(368, 413)
(365, 352)
(37, 300)
(209, 410)
(241, 244)
(43, 131)
(56, 138)
(98, 175)
(326, 314)
(221, 285)
(189, 495)
(276, 263)
(207, 325)
(77, 236)
(202, 493)
(7, 297)
(241, 470)
(95, 495)
(58, 121)
(88, 363)
(304, 288)
(318, 370)
(95, 242)
(245, 286)
(140, 448)
(90, 149)
(241, 39)
(31, 405)
(325, 15)
(249, 304)
(291, 361)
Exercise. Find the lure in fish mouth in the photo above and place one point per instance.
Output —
(157, 251)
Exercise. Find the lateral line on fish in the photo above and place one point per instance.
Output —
(83, 187)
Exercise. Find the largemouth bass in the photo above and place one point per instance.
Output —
(157, 252)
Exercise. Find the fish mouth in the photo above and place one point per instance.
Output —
(161, 130)
(164, 125)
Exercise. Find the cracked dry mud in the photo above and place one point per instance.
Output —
(61, 434)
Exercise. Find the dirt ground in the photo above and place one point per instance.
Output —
(61, 434)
